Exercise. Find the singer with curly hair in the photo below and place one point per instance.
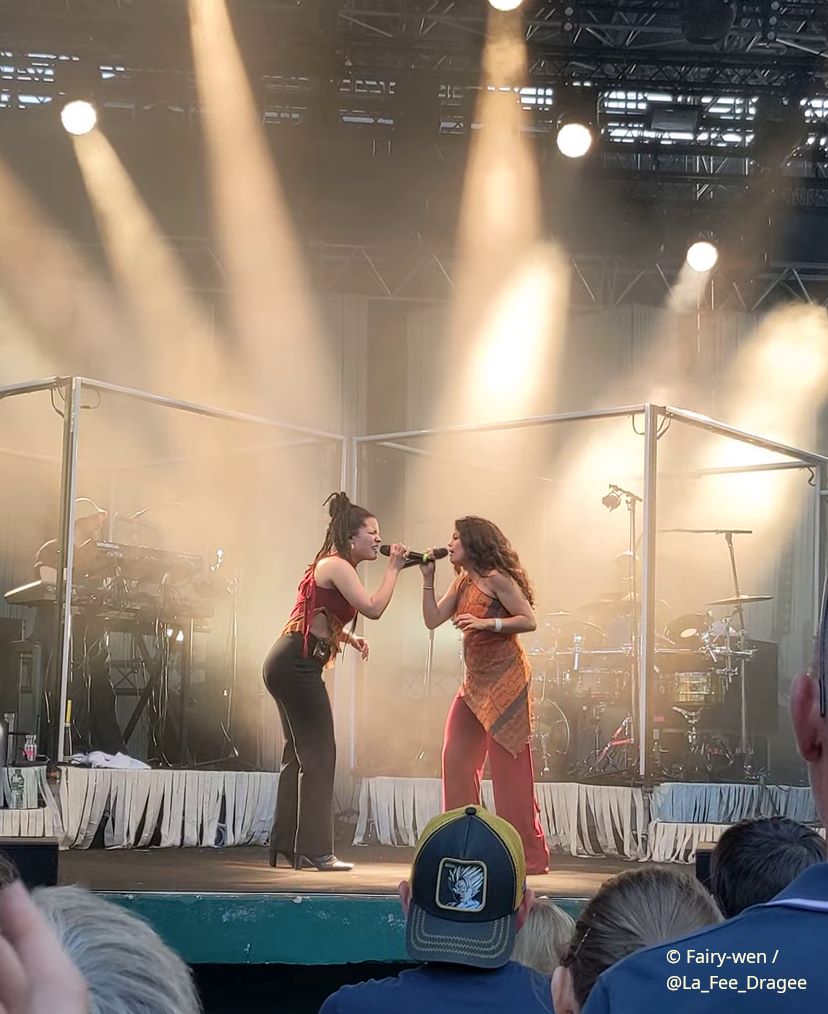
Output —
(490, 600)
(330, 596)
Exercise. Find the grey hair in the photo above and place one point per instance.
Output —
(544, 937)
(128, 968)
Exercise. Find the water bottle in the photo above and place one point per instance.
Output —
(30, 748)
(16, 788)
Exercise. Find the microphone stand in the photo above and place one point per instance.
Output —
(632, 500)
(422, 753)
(743, 737)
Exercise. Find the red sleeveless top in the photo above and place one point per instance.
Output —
(496, 673)
(310, 600)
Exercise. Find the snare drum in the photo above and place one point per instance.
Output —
(693, 687)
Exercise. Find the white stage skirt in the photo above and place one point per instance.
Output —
(588, 820)
(209, 808)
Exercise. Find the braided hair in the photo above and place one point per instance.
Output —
(346, 520)
(489, 549)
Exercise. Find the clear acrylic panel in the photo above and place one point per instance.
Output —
(210, 521)
(558, 489)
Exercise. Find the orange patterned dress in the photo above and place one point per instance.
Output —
(496, 672)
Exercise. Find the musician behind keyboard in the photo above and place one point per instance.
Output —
(94, 720)
(87, 529)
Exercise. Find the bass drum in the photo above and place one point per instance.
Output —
(550, 741)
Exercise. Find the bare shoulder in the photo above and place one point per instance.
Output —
(499, 581)
(331, 567)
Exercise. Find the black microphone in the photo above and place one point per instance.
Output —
(413, 559)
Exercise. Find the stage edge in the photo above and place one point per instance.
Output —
(290, 929)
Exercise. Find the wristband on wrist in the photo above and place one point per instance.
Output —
(428, 587)
(498, 624)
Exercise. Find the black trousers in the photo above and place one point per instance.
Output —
(303, 821)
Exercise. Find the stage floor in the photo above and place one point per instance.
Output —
(244, 870)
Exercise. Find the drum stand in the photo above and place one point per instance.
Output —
(542, 739)
(743, 737)
(604, 757)
(692, 718)
(626, 734)
(703, 749)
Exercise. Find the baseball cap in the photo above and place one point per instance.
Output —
(467, 882)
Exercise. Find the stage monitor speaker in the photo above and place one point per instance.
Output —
(10, 631)
(704, 852)
(761, 696)
(762, 688)
(35, 859)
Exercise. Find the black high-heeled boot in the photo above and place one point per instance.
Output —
(273, 858)
(325, 864)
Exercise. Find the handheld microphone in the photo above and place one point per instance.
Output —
(412, 558)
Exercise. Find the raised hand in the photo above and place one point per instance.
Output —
(427, 569)
(396, 557)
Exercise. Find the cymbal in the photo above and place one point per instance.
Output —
(740, 600)
(556, 614)
(587, 624)
(618, 605)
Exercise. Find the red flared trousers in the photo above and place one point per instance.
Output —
(465, 745)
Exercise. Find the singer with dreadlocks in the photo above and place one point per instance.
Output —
(330, 597)
(490, 600)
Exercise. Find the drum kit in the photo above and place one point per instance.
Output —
(584, 684)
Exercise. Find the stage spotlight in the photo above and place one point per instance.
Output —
(612, 501)
(505, 5)
(574, 137)
(706, 22)
(702, 255)
(79, 117)
(780, 128)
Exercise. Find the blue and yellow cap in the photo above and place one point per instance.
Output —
(467, 883)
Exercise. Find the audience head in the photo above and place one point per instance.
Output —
(8, 871)
(756, 859)
(467, 895)
(629, 912)
(544, 937)
(127, 967)
(809, 712)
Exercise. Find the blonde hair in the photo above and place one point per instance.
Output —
(544, 937)
(634, 910)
